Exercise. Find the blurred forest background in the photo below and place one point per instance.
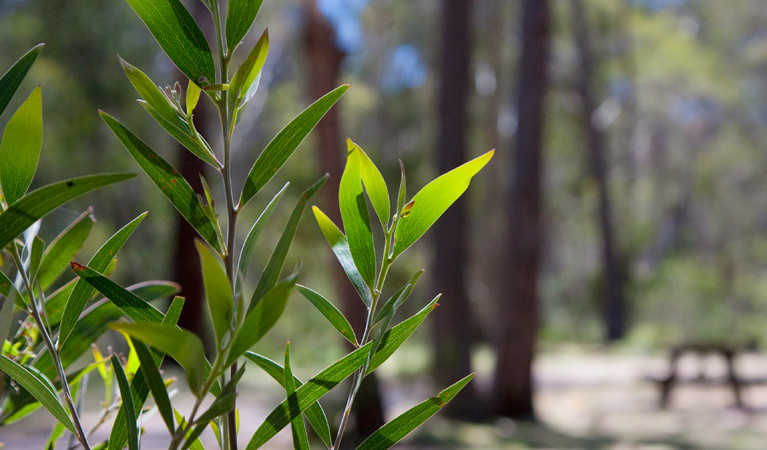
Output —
(626, 203)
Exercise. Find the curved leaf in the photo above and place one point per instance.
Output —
(168, 180)
(391, 433)
(239, 18)
(297, 426)
(340, 247)
(245, 80)
(127, 399)
(11, 79)
(354, 212)
(375, 186)
(99, 262)
(285, 143)
(179, 36)
(155, 384)
(35, 386)
(218, 291)
(28, 209)
(20, 147)
(330, 312)
(63, 249)
(433, 200)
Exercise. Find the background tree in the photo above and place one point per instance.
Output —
(519, 310)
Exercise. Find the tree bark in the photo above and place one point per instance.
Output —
(613, 302)
(324, 68)
(513, 384)
(452, 330)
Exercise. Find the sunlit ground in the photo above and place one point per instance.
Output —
(587, 399)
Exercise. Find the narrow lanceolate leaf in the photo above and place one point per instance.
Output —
(330, 312)
(374, 183)
(354, 212)
(127, 399)
(285, 143)
(179, 36)
(166, 115)
(320, 384)
(273, 267)
(239, 18)
(297, 426)
(136, 308)
(261, 318)
(255, 232)
(62, 249)
(314, 413)
(35, 205)
(11, 80)
(20, 147)
(156, 385)
(192, 96)
(395, 301)
(170, 182)
(391, 433)
(433, 200)
(40, 390)
(82, 290)
(340, 247)
(182, 345)
(244, 83)
(218, 291)
(5, 285)
(35, 256)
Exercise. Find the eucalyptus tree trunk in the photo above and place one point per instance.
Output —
(452, 331)
(519, 309)
(613, 303)
(324, 68)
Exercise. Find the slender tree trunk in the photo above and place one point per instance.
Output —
(452, 330)
(614, 308)
(519, 315)
(324, 68)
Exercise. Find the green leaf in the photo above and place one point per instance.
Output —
(62, 249)
(245, 81)
(273, 267)
(20, 147)
(182, 345)
(119, 435)
(7, 305)
(192, 96)
(218, 291)
(99, 262)
(323, 382)
(297, 426)
(127, 399)
(11, 80)
(5, 285)
(354, 212)
(255, 232)
(285, 143)
(374, 183)
(391, 433)
(136, 308)
(395, 301)
(190, 443)
(33, 206)
(179, 36)
(168, 180)
(155, 384)
(35, 256)
(340, 247)
(402, 194)
(185, 136)
(330, 312)
(38, 388)
(433, 200)
(225, 402)
(239, 19)
(261, 318)
(158, 106)
(314, 413)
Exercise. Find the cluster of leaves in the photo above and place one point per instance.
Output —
(239, 321)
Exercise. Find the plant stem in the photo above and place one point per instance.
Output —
(55, 357)
(359, 375)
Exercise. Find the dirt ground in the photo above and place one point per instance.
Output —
(585, 400)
